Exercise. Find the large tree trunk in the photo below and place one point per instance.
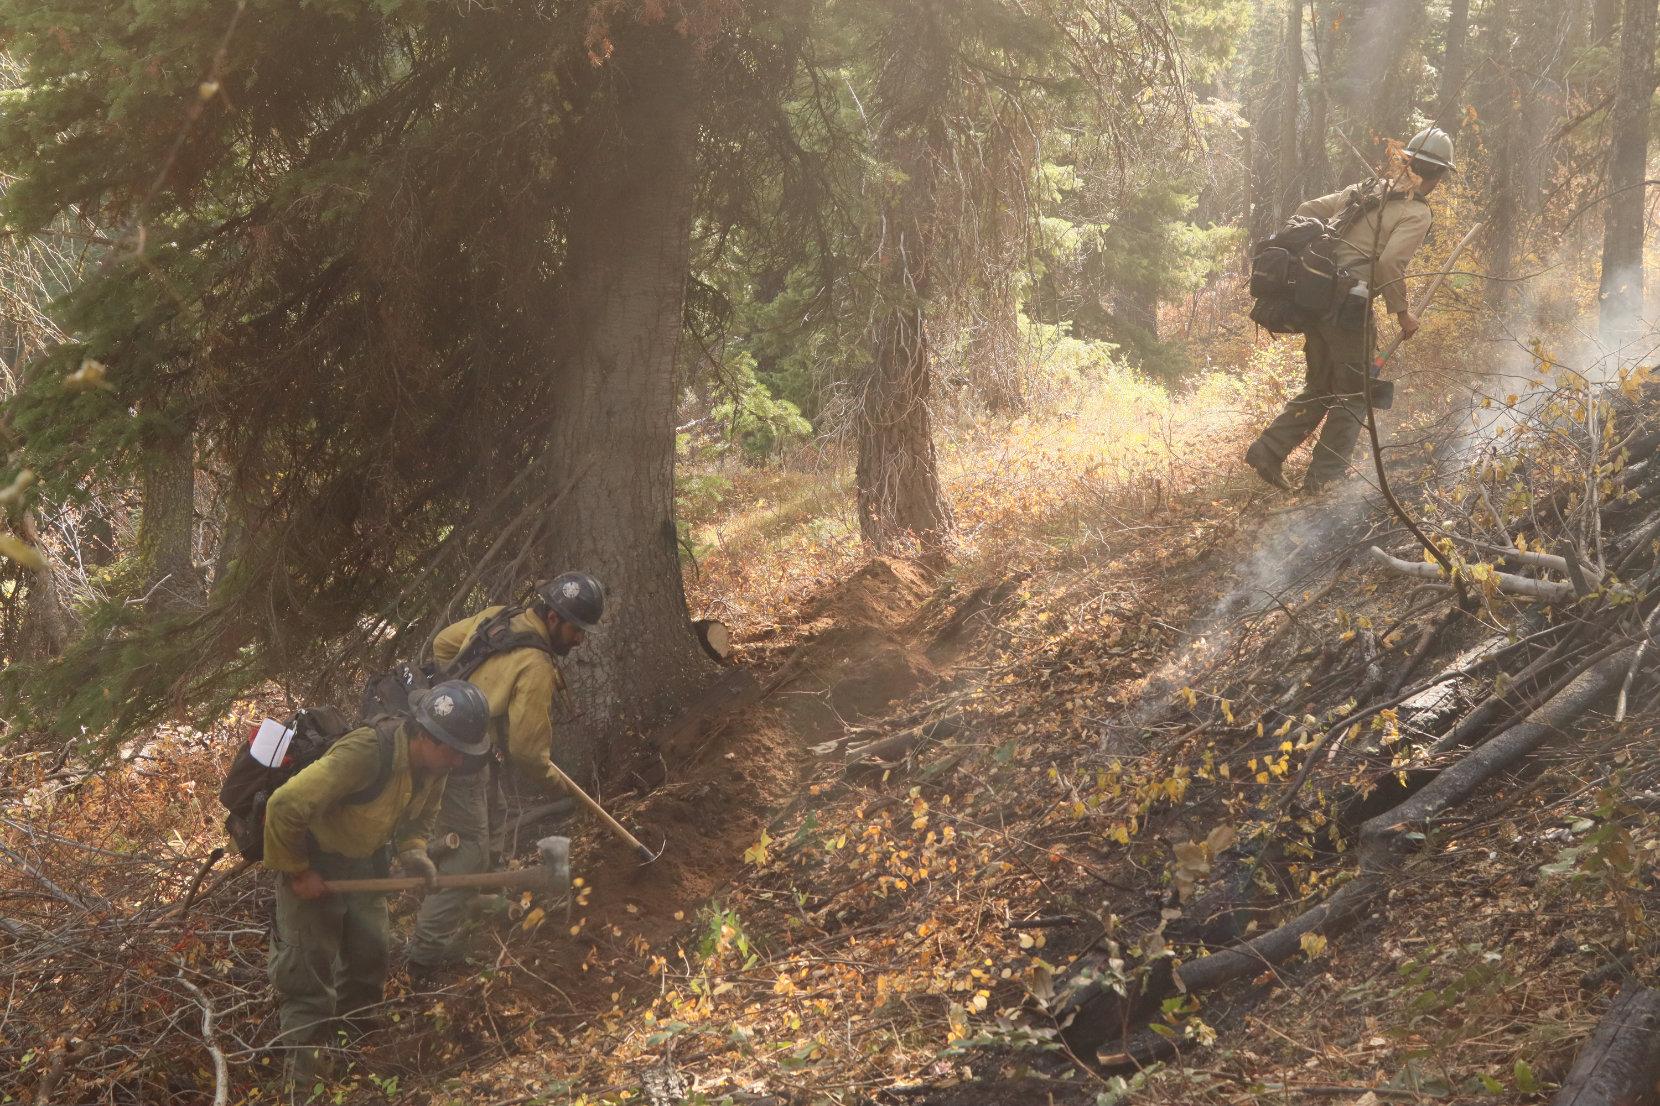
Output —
(1622, 243)
(1449, 110)
(167, 522)
(898, 474)
(1291, 73)
(613, 428)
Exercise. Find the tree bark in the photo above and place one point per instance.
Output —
(1454, 65)
(994, 353)
(1499, 109)
(620, 317)
(1291, 72)
(46, 627)
(1621, 1061)
(897, 475)
(167, 522)
(1622, 249)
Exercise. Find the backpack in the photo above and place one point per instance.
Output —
(389, 692)
(1294, 281)
(249, 784)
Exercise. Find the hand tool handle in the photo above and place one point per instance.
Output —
(518, 877)
(616, 827)
(1422, 307)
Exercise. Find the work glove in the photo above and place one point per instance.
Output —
(416, 862)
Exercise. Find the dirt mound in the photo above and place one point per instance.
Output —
(884, 593)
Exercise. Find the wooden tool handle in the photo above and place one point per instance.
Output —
(586, 800)
(1422, 307)
(519, 877)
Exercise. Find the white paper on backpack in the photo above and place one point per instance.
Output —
(270, 744)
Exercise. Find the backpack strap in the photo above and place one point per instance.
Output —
(386, 735)
(492, 639)
(1363, 197)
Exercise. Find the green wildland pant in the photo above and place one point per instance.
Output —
(443, 917)
(329, 957)
(1333, 391)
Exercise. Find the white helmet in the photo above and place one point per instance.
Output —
(1433, 146)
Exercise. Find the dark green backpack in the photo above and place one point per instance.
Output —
(249, 784)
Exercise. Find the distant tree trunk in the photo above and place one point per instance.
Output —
(1262, 152)
(1605, 15)
(167, 521)
(1375, 39)
(1497, 109)
(1622, 243)
(1291, 72)
(897, 475)
(47, 626)
(993, 352)
(1138, 306)
(1317, 173)
(995, 359)
(1449, 112)
(620, 316)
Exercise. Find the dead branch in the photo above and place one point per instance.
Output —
(1381, 853)
(221, 1070)
(1548, 590)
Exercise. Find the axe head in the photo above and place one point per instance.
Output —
(556, 863)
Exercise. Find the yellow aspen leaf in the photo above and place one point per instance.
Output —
(757, 853)
(1314, 945)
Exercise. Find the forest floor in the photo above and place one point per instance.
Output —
(917, 799)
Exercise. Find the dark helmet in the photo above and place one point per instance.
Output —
(576, 597)
(455, 713)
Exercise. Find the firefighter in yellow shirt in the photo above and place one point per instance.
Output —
(520, 678)
(380, 785)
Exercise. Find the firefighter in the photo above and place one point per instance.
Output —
(1376, 248)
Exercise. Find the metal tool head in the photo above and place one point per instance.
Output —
(556, 862)
(647, 854)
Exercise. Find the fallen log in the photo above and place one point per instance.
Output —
(1620, 1062)
(715, 637)
(1550, 591)
(1381, 836)
(1382, 851)
(885, 753)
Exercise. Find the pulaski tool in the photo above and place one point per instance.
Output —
(552, 875)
